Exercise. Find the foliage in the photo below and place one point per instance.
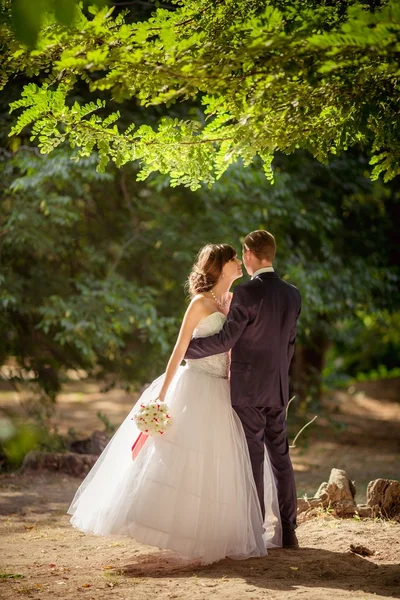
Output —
(336, 242)
(365, 348)
(378, 374)
(33, 432)
(270, 76)
(63, 301)
(36, 431)
(109, 428)
(93, 266)
(336, 239)
(30, 435)
(27, 17)
(13, 450)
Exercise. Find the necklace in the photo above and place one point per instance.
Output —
(220, 304)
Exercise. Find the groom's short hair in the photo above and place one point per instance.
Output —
(261, 243)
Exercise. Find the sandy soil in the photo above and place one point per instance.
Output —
(42, 557)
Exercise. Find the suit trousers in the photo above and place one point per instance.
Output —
(266, 427)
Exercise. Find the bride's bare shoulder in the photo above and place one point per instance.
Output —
(200, 305)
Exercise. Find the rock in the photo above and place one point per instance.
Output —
(70, 463)
(364, 511)
(321, 491)
(99, 440)
(81, 446)
(304, 504)
(338, 494)
(383, 496)
(361, 550)
(93, 445)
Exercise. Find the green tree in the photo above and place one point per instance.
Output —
(269, 76)
(365, 346)
(65, 303)
(337, 242)
(93, 266)
(26, 17)
(110, 254)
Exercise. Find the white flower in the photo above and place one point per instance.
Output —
(153, 418)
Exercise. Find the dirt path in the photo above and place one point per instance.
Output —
(354, 432)
(59, 562)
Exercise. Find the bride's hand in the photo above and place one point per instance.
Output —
(161, 396)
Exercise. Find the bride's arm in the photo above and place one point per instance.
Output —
(194, 313)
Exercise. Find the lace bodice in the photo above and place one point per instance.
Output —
(217, 365)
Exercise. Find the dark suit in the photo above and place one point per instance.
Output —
(261, 331)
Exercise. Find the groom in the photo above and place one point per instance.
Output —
(261, 331)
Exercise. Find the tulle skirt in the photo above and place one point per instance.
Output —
(190, 490)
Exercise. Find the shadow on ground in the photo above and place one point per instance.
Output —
(283, 570)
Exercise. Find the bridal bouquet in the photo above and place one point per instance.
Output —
(153, 418)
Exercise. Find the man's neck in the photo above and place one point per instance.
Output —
(262, 265)
(263, 269)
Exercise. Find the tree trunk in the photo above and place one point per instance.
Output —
(307, 365)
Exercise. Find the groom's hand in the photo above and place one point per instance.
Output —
(235, 324)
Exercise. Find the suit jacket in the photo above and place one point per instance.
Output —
(261, 331)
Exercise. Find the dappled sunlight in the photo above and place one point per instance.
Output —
(359, 404)
(43, 546)
(79, 410)
(34, 495)
(300, 467)
(77, 406)
(353, 432)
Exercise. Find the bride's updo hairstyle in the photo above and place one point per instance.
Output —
(208, 267)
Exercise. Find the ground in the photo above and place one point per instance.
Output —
(43, 557)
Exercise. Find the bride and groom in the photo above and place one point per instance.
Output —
(219, 483)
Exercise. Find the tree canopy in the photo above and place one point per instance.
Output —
(185, 93)
(257, 77)
(93, 265)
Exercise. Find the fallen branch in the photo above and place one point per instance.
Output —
(293, 445)
(289, 403)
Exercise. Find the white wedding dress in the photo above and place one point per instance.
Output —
(190, 490)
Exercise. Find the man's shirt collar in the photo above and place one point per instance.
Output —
(263, 270)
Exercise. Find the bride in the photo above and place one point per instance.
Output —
(190, 490)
